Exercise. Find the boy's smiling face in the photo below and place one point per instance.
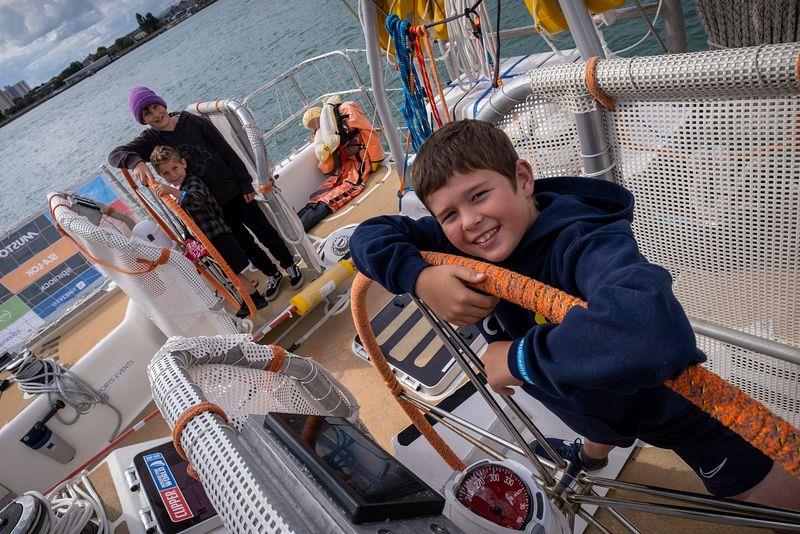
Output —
(156, 117)
(172, 171)
(481, 213)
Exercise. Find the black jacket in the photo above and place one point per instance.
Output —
(209, 156)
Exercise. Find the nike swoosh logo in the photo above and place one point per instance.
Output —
(713, 471)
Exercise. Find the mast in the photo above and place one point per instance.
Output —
(368, 18)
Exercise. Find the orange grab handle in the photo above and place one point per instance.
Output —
(729, 405)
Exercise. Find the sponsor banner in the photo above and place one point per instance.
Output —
(63, 276)
(39, 265)
(24, 243)
(65, 294)
(21, 328)
(41, 272)
(171, 495)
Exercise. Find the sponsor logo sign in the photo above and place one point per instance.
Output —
(171, 495)
(41, 271)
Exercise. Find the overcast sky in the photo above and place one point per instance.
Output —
(40, 38)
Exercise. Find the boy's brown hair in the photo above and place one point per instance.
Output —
(462, 146)
(162, 154)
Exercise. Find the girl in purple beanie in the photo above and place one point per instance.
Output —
(211, 159)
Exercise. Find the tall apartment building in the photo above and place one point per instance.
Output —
(18, 90)
(5, 101)
(7, 95)
(23, 86)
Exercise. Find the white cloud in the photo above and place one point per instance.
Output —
(39, 38)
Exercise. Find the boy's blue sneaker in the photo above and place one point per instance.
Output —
(571, 451)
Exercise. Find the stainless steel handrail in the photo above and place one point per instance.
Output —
(291, 75)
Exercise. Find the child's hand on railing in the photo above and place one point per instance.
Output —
(444, 288)
(142, 173)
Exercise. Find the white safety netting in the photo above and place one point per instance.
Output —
(708, 143)
(173, 295)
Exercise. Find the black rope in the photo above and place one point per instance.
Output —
(496, 77)
(467, 12)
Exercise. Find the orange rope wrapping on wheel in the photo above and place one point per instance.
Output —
(594, 87)
(183, 420)
(156, 217)
(358, 302)
(727, 404)
(521, 290)
(278, 357)
(153, 214)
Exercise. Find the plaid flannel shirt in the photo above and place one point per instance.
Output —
(198, 202)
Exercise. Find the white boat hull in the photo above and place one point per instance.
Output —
(115, 366)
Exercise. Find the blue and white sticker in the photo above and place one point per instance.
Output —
(160, 471)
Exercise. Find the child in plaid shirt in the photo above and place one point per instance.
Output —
(196, 199)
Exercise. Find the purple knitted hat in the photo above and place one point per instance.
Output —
(141, 97)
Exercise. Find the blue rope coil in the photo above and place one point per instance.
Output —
(413, 103)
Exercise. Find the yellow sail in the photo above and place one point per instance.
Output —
(550, 19)
(417, 11)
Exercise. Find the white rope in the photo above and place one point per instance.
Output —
(45, 376)
(72, 505)
(466, 55)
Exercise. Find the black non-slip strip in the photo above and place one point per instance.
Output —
(431, 374)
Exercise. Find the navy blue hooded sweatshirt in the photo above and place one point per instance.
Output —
(602, 369)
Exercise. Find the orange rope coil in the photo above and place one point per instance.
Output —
(594, 87)
(730, 406)
(184, 419)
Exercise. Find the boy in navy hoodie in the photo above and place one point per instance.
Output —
(602, 369)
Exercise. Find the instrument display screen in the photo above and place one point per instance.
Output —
(353, 468)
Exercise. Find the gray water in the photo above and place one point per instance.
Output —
(226, 51)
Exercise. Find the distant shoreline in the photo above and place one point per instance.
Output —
(149, 37)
